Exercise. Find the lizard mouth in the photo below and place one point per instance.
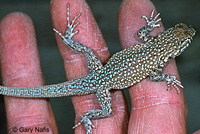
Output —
(187, 42)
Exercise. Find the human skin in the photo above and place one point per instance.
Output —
(154, 110)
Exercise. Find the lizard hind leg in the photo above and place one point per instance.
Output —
(92, 60)
(105, 101)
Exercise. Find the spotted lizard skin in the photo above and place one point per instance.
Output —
(124, 68)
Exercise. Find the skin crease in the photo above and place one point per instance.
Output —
(154, 110)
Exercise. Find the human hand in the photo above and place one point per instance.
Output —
(150, 103)
(154, 110)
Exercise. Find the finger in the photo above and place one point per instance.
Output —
(196, 132)
(153, 108)
(20, 67)
(75, 63)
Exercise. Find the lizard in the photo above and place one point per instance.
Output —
(124, 69)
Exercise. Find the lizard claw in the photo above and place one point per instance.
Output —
(152, 21)
(70, 27)
(172, 80)
(88, 124)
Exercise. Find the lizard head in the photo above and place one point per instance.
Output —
(182, 34)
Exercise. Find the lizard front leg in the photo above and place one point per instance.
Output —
(105, 101)
(143, 33)
(156, 75)
(92, 61)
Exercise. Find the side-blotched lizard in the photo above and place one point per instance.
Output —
(124, 68)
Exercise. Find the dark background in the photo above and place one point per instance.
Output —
(105, 12)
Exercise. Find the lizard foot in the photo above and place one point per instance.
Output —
(172, 80)
(87, 123)
(152, 21)
(70, 27)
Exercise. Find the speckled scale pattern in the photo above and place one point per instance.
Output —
(131, 65)
(124, 68)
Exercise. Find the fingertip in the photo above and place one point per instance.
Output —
(16, 16)
(10, 21)
(17, 38)
(15, 24)
(197, 132)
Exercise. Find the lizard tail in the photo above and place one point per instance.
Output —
(78, 86)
